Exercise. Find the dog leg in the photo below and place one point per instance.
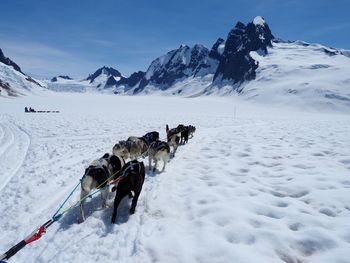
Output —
(117, 200)
(149, 163)
(104, 196)
(134, 202)
(82, 215)
(155, 165)
(165, 160)
(175, 148)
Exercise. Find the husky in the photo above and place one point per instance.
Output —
(148, 138)
(174, 136)
(157, 151)
(186, 132)
(98, 175)
(184, 135)
(131, 149)
(133, 176)
(191, 130)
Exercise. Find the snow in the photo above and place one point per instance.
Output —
(259, 21)
(18, 82)
(262, 185)
(303, 76)
(221, 48)
(296, 74)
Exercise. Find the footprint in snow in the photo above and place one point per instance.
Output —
(327, 212)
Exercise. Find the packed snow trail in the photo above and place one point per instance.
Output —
(264, 187)
(14, 143)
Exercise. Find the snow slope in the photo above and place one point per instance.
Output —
(16, 83)
(253, 185)
(299, 74)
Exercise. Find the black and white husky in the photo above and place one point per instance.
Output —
(157, 151)
(98, 175)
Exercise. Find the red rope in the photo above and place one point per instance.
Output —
(116, 181)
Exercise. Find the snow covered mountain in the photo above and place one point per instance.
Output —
(103, 79)
(255, 65)
(251, 63)
(13, 82)
(227, 61)
(177, 65)
(302, 74)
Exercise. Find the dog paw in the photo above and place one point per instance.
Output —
(132, 211)
(81, 221)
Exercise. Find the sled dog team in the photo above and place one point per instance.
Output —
(129, 176)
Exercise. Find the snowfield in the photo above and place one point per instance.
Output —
(259, 185)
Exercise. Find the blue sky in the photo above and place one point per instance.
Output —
(48, 38)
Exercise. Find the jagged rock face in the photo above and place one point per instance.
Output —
(6, 86)
(9, 62)
(111, 81)
(236, 65)
(65, 77)
(109, 71)
(55, 79)
(259, 35)
(176, 65)
(217, 49)
(134, 79)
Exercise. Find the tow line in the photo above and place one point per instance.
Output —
(40, 231)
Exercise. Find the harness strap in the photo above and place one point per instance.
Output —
(161, 145)
(130, 167)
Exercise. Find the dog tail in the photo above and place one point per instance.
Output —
(167, 129)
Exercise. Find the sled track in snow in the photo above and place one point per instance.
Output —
(14, 144)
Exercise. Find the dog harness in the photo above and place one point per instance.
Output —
(159, 145)
(149, 137)
(131, 166)
(102, 165)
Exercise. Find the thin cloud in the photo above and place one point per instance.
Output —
(45, 61)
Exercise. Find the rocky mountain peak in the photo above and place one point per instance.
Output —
(236, 64)
(108, 71)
